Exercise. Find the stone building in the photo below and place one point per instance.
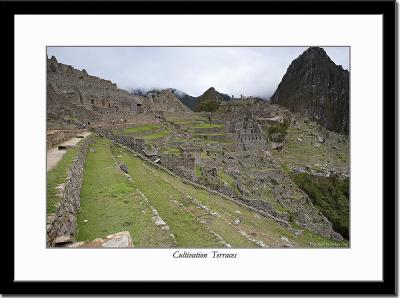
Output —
(250, 135)
(93, 93)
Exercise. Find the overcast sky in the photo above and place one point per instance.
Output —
(249, 71)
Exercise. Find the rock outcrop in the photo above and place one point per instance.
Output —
(318, 88)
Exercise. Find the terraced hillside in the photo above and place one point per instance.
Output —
(309, 144)
(260, 179)
(160, 210)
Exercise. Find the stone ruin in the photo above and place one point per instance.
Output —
(241, 149)
(73, 93)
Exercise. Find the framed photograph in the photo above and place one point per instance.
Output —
(201, 148)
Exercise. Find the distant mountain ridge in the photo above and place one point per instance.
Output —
(186, 99)
(209, 95)
(315, 86)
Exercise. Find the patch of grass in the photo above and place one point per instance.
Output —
(331, 196)
(172, 150)
(207, 125)
(285, 168)
(110, 204)
(267, 195)
(158, 135)
(57, 176)
(315, 240)
(229, 180)
(259, 227)
(206, 141)
(198, 171)
(209, 134)
(141, 128)
(187, 230)
(278, 207)
(204, 155)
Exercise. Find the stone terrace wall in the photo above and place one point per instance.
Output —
(148, 117)
(63, 222)
(58, 136)
(137, 145)
(180, 165)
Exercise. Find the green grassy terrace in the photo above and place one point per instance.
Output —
(141, 128)
(110, 203)
(207, 125)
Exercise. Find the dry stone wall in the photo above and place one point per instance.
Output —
(61, 225)
(133, 143)
(181, 165)
(58, 136)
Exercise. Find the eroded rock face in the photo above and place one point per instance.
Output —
(315, 86)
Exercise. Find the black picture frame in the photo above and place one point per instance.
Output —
(389, 283)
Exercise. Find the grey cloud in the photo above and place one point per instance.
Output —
(232, 70)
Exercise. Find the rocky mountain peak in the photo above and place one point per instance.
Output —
(318, 88)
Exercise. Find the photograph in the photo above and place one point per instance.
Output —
(201, 148)
(198, 147)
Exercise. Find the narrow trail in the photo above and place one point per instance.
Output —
(54, 155)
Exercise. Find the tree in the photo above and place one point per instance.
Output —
(207, 106)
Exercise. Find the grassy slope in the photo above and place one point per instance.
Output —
(57, 176)
(160, 186)
(298, 154)
(111, 203)
(157, 135)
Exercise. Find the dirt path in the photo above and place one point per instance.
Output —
(54, 155)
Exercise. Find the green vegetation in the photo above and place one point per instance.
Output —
(198, 171)
(330, 195)
(279, 128)
(141, 128)
(57, 176)
(279, 131)
(278, 207)
(207, 106)
(210, 134)
(208, 125)
(157, 135)
(285, 168)
(308, 151)
(229, 180)
(111, 203)
(172, 150)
